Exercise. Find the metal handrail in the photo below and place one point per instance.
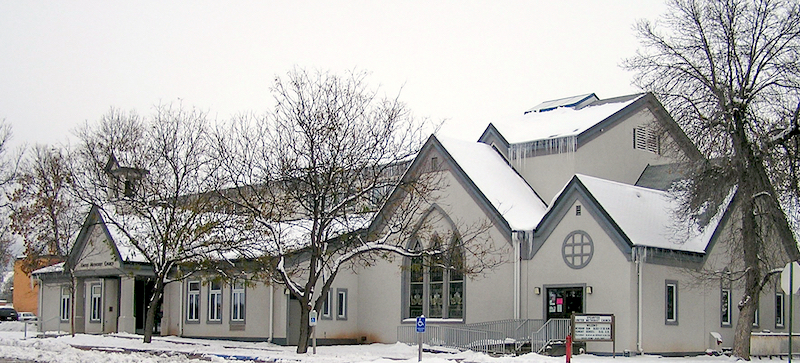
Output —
(553, 329)
(490, 336)
(456, 338)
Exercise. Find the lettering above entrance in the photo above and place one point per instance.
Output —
(577, 249)
(92, 265)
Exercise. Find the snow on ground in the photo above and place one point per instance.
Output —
(124, 348)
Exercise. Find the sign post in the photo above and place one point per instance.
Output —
(789, 287)
(312, 322)
(420, 330)
(594, 328)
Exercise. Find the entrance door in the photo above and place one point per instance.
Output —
(293, 321)
(111, 305)
(142, 292)
(563, 301)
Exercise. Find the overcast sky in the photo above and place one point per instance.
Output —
(467, 62)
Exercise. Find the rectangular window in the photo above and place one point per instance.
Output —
(779, 310)
(436, 287)
(237, 301)
(97, 303)
(341, 304)
(671, 302)
(326, 306)
(65, 303)
(193, 301)
(755, 317)
(417, 287)
(725, 307)
(215, 301)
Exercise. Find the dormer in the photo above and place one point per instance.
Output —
(493, 137)
(574, 102)
(123, 182)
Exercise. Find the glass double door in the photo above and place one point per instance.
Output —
(563, 301)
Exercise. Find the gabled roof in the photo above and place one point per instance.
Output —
(498, 182)
(486, 175)
(641, 216)
(571, 127)
(662, 177)
(561, 122)
(123, 250)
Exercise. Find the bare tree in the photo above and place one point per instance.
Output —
(8, 168)
(152, 178)
(728, 72)
(313, 173)
(45, 213)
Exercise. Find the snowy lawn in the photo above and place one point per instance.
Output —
(129, 348)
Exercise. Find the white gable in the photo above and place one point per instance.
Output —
(503, 187)
(97, 253)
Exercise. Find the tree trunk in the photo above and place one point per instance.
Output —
(741, 338)
(152, 307)
(305, 331)
(752, 278)
(74, 283)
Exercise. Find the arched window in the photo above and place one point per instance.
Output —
(435, 285)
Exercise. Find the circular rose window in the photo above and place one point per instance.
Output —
(578, 249)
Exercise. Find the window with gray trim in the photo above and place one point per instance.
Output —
(326, 306)
(96, 309)
(238, 291)
(66, 296)
(435, 285)
(725, 307)
(341, 304)
(193, 301)
(779, 310)
(215, 301)
(756, 321)
(577, 249)
(671, 302)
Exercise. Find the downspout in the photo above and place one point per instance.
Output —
(640, 316)
(103, 304)
(271, 312)
(39, 311)
(517, 271)
(182, 304)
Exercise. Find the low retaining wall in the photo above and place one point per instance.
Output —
(773, 344)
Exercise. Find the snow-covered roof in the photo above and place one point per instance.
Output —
(127, 252)
(503, 187)
(59, 267)
(292, 234)
(648, 216)
(558, 123)
(572, 101)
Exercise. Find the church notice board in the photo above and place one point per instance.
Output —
(593, 327)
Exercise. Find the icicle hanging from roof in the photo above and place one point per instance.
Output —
(561, 145)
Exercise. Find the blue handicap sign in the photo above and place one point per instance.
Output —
(420, 324)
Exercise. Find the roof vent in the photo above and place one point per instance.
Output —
(575, 102)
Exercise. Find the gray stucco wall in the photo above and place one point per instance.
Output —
(488, 296)
(610, 155)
